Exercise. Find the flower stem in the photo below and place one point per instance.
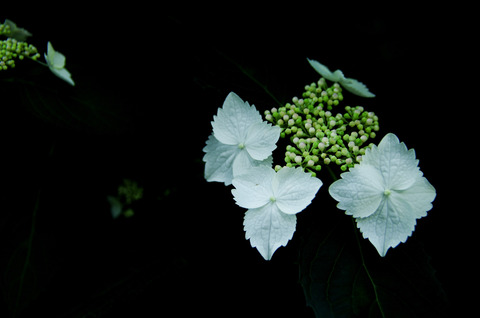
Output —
(332, 174)
(355, 229)
(29, 253)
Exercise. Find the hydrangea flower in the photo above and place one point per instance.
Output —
(350, 84)
(240, 140)
(14, 32)
(56, 63)
(386, 193)
(273, 199)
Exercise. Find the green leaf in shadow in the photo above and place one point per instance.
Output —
(343, 276)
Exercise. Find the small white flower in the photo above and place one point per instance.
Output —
(56, 63)
(386, 193)
(273, 199)
(240, 140)
(350, 84)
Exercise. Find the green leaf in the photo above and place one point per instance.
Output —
(343, 276)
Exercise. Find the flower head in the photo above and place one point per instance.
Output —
(273, 198)
(350, 84)
(240, 140)
(386, 193)
(56, 63)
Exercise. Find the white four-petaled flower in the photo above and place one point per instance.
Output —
(240, 140)
(350, 84)
(273, 199)
(386, 193)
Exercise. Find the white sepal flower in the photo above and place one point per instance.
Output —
(273, 199)
(350, 84)
(240, 140)
(56, 63)
(19, 34)
(386, 193)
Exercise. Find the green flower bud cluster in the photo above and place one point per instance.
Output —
(129, 191)
(319, 137)
(12, 49)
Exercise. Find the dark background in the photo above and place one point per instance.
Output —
(152, 79)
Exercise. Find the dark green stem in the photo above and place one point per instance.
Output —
(357, 237)
(29, 253)
(332, 174)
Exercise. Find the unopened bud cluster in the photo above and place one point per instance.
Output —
(319, 136)
(129, 191)
(12, 49)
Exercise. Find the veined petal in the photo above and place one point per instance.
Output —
(268, 228)
(219, 160)
(324, 71)
(294, 189)
(350, 84)
(356, 87)
(244, 162)
(231, 123)
(261, 140)
(397, 164)
(380, 227)
(253, 188)
(395, 219)
(387, 227)
(359, 192)
(415, 201)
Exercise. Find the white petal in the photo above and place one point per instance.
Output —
(244, 162)
(253, 189)
(63, 74)
(356, 87)
(397, 164)
(261, 140)
(416, 200)
(324, 71)
(359, 191)
(294, 189)
(54, 59)
(338, 76)
(268, 228)
(395, 219)
(231, 123)
(219, 160)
